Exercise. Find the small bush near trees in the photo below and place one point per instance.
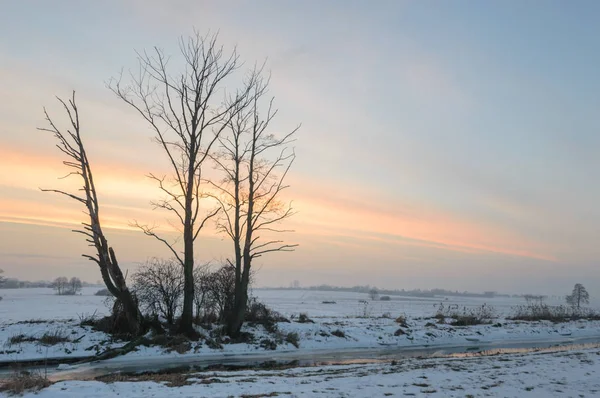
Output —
(103, 293)
(384, 298)
(258, 313)
(158, 285)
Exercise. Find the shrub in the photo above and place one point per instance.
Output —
(258, 313)
(158, 285)
(268, 344)
(103, 293)
(401, 320)
(339, 333)
(293, 338)
(21, 382)
(384, 298)
(303, 318)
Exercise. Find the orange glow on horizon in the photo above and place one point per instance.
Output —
(126, 192)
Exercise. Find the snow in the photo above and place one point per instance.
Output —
(56, 314)
(572, 373)
(19, 305)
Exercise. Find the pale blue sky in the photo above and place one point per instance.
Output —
(475, 117)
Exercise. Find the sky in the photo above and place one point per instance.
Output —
(443, 144)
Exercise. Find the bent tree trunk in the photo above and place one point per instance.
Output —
(72, 146)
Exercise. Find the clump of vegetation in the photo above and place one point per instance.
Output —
(481, 315)
(54, 338)
(293, 338)
(21, 382)
(19, 339)
(339, 333)
(303, 318)
(543, 312)
(258, 313)
(268, 344)
(158, 285)
(401, 320)
(65, 287)
(103, 293)
(179, 343)
(328, 302)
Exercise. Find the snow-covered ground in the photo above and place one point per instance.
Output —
(42, 303)
(347, 324)
(560, 374)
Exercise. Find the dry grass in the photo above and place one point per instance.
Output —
(18, 339)
(53, 338)
(21, 382)
(169, 379)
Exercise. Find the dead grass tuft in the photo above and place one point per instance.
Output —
(22, 382)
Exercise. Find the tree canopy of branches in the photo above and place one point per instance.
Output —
(183, 109)
(60, 285)
(254, 164)
(579, 296)
(71, 145)
(158, 285)
(75, 285)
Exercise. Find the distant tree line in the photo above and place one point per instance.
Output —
(367, 289)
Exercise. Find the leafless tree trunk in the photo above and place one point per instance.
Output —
(71, 144)
(186, 116)
(254, 164)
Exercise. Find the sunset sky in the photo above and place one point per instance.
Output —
(443, 144)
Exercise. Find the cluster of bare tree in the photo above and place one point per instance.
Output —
(198, 123)
(67, 287)
(159, 286)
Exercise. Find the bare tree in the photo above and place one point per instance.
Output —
(373, 294)
(158, 285)
(253, 163)
(184, 111)
(202, 286)
(75, 285)
(2, 278)
(71, 145)
(60, 285)
(579, 296)
(222, 290)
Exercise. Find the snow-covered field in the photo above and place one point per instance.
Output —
(348, 324)
(29, 314)
(561, 374)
